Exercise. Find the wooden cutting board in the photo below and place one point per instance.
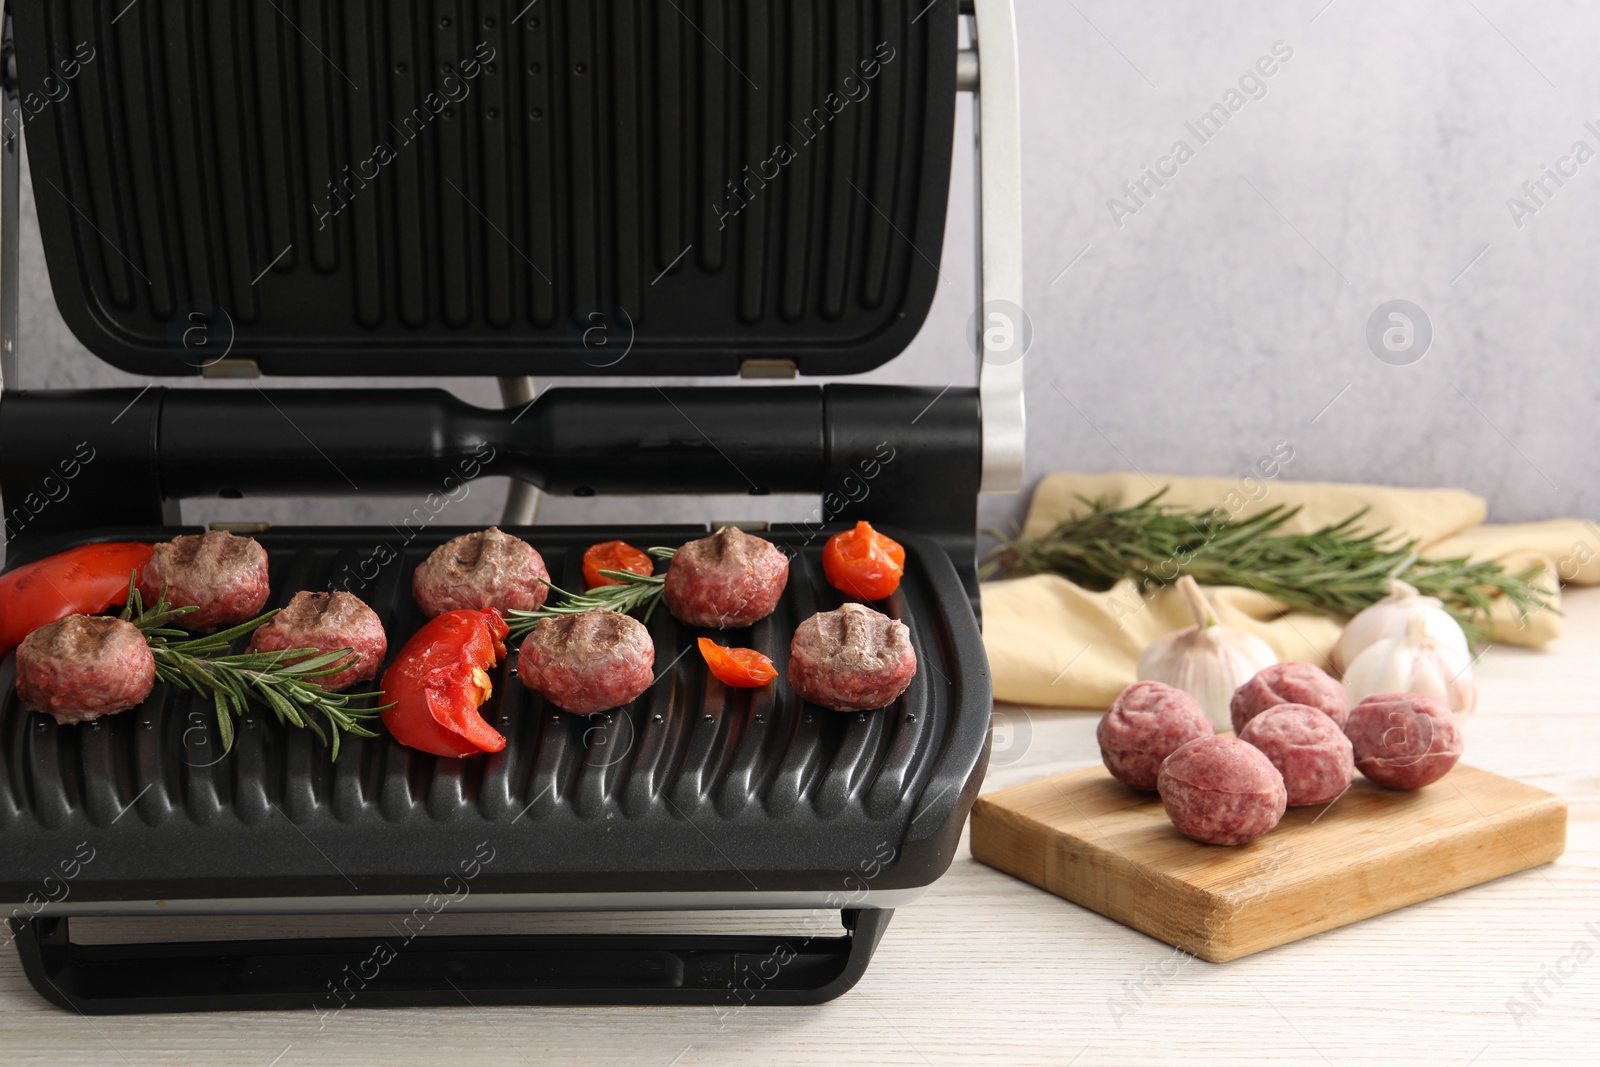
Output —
(1086, 837)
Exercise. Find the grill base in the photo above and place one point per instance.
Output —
(328, 975)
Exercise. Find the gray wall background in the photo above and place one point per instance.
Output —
(1229, 311)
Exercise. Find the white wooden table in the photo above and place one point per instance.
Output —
(987, 969)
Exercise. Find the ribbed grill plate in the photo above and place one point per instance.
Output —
(695, 787)
(347, 188)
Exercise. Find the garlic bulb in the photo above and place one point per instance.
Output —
(1412, 663)
(1206, 661)
(1389, 617)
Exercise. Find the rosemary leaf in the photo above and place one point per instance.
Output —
(225, 728)
(316, 728)
(286, 711)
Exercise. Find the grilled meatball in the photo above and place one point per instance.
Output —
(588, 662)
(83, 667)
(328, 622)
(487, 569)
(225, 576)
(725, 581)
(853, 659)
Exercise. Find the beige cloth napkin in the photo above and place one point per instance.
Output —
(1057, 644)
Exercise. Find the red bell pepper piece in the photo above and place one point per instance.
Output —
(863, 562)
(80, 581)
(440, 679)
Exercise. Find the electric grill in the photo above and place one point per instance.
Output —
(233, 189)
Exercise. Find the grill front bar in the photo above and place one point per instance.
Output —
(326, 975)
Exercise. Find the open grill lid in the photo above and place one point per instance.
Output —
(490, 188)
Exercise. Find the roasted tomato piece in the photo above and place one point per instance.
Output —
(80, 581)
(439, 681)
(864, 563)
(614, 556)
(742, 668)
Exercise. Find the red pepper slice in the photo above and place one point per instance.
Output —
(742, 668)
(80, 581)
(864, 563)
(440, 679)
(614, 556)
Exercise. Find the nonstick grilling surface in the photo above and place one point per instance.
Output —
(583, 148)
(693, 788)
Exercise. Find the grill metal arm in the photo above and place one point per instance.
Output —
(10, 201)
(1002, 331)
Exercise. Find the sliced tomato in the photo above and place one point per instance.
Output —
(80, 581)
(864, 563)
(742, 668)
(614, 556)
(439, 681)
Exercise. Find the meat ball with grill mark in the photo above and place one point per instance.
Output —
(487, 569)
(224, 576)
(852, 659)
(83, 667)
(728, 580)
(328, 622)
(588, 662)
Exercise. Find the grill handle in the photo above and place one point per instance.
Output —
(326, 975)
(896, 455)
(295, 442)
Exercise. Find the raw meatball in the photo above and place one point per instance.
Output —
(487, 569)
(725, 581)
(1144, 725)
(1312, 754)
(1289, 683)
(1221, 791)
(224, 575)
(83, 667)
(853, 659)
(328, 622)
(588, 662)
(1403, 740)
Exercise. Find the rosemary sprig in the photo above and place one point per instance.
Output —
(1335, 570)
(281, 681)
(636, 591)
